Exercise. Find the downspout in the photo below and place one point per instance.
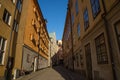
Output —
(108, 39)
(69, 10)
(9, 65)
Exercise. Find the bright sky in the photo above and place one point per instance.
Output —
(55, 13)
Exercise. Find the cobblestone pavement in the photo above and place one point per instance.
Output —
(55, 73)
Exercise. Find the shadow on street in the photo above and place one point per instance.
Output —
(66, 74)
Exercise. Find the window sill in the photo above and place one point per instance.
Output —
(6, 23)
(95, 16)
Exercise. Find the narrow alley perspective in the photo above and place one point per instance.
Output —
(59, 39)
(55, 73)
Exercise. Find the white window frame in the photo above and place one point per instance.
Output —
(9, 20)
(13, 1)
(3, 57)
(15, 26)
(7, 16)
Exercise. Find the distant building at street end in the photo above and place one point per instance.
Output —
(59, 54)
(53, 47)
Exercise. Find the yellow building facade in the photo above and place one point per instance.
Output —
(8, 34)
(33, 41)
(95, 31)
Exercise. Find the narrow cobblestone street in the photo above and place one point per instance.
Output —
(55, 73)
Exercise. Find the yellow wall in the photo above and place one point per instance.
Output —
(5, 29)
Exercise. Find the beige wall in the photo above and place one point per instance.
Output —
(96, 27)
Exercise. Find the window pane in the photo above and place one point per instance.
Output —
(118, 28)
(3, 45)
(86, 22)
(1, 56)
(4, 15)
(92, 1)
(15, 26)
(95, 7)
(76, 7)
(19, 5)
(78, 29)
(72, 19)
(101, 50)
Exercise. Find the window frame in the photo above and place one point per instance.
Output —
(19, 5)
(15, 26)
(2, 45)
(28, 58)
(95, 6)
(76, 7)
(72, 18)
(86, 19)
(78, 29)
(117, 35)
(101, 50)
(7, 17)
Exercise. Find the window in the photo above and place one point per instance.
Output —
(78, 30)
(6, 17)
(76, 7)
(19, 5)
(101, 52)
(15, 26)
(2, 49)
(86, 19)
(72, 19)
(95, 7)
(13, 1)
(28, 58)
(117, 28)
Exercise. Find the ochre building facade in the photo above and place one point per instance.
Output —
(24, 40)
(95, 42)
(33, 41)
(10, 12)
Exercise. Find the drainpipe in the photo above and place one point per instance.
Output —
(108, 39)
(38, 50)
(69, 10)
(9, 61)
